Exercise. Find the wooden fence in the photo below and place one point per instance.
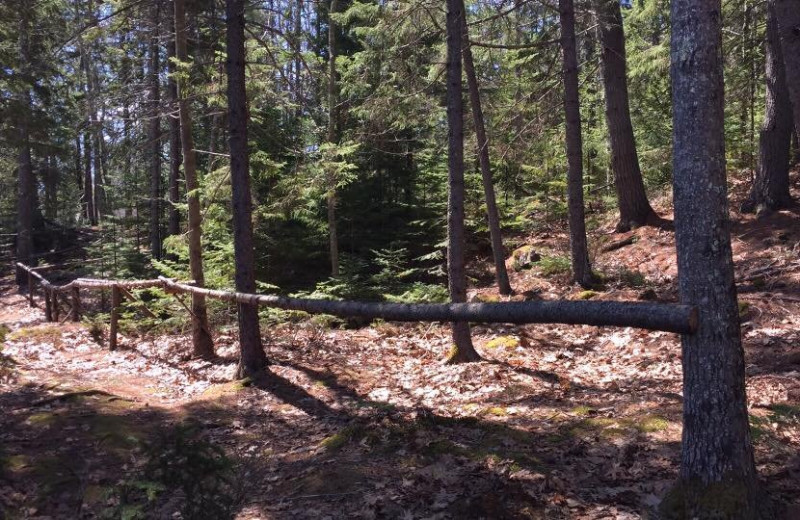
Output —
(668, 317)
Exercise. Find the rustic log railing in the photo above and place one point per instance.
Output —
(668, 317)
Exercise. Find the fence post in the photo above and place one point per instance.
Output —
(116, 300)
(30, 289)
(56, 310)
(76, 304)
(48, 305)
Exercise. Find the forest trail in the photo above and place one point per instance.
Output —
(557, 422)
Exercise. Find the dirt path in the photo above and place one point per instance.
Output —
(558, 422)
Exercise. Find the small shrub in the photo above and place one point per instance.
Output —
(180, 463)
(631, 278)
(554, 265)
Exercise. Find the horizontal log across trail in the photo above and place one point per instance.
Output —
(668, 317)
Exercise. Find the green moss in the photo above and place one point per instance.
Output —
(497, 411)
(343, 437)
(651, 424)
(506, 342)
(42, 420)
(743, 308)
(602, 427)
(42, 333)
(586, 295)
(15, 463)
(582, 410)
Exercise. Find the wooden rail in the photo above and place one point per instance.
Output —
(668, 317)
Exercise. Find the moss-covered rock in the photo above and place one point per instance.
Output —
(524, 257)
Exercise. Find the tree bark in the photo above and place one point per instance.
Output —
(154, 135)
(770, 189)
(669, 317)
(26, 183)
(634, 208)
(252, 359)
(717, 476)
(88, 185)
(462, 350)
(788, 15)
(201, 337)
(333, 100)
(175, 156)
(581, 268)
(492, 215)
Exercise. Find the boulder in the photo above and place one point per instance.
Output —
(524, 258)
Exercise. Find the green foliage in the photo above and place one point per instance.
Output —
(554, 265)
(179, 463)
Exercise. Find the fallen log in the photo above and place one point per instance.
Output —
(667, 317)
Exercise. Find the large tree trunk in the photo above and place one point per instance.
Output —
(581, 269)
(770, 189)
(333, 100)
(252, 359)
(492, 215)
(26, 183)
(634, 208)
(175, 156)
(201, 336)
(26, 187)
(154, 136)
(788, 15)
(717, 476)
(456, 272)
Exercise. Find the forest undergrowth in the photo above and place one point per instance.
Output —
(556, 422)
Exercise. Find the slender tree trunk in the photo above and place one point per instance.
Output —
(634, 208)
(788, 15)
(201, 335)
(770, 190)
(581, 269)
(50, 179)
(175, 156)
(462, 351)
(252, 359)
(717, 476)
(96, 125)
(88, 184)
(333, 100)
(97, 178)
(154, 135)
(493, 216)
(78, 167)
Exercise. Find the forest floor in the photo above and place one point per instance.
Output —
(556, 422)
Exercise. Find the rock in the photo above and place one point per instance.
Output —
(524, 258)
